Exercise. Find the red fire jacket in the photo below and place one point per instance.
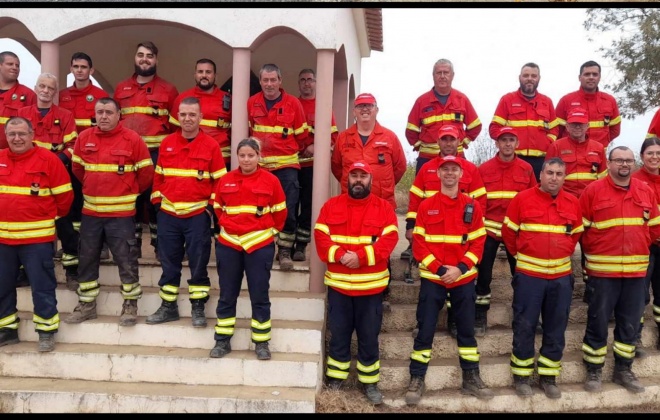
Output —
(534, 120)
(11, 101)
(441, 237)
(654, 127)
(216, 120)
(367, 227)
(35, 189)
(280, 130)
(309, 105)
(427, 184)
(186, 173)
(503, 180)
(541, 232)
(114, 167)
(585, 162)
(620, 225)
(251, 209)
(81, 103)
(146, 108)
(56, 131)
(428, 115)
(651, 180)
(382, 151)
(603, 111)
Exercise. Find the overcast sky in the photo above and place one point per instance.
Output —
(488, 46)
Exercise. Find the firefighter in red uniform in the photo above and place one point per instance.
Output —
(504, 176)
(277, 119)
(449, 239)
(307, 87)
(602, 110)
(55, 130)
(114, 167)
(649, 173)
(80, 99)
(654, 127)
(355, 234)
(427, 184)
(443, 105)
(189, 164)
(216, 107)
(251, 208)
(532, 114)
(35, 190)
(621, 221)
(146, 100)
(13, 95)
(542, 226)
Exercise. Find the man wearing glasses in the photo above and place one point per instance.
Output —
(621, 221)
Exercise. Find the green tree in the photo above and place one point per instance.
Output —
(635, 52)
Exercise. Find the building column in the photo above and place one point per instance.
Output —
(50, 62)
(325, 65)
(240, 92)
(340, 105)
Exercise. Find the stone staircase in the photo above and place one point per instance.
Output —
(443, 379)
(100, 367)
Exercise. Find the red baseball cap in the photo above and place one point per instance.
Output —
(450, 159)
(365, 98)
(506, 130)
(578, 115)
(361, 165)
(448, 130)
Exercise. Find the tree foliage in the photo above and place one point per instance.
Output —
(481, 149)
(635, 52)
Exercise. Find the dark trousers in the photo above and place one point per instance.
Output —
(537, 164)
(652, 280)
(485, 276)
(550, 299)
(143, 204)
(40, 269)
(231, 265)
(624, 296)
(118, 233)
(191, 235)
(420, 162)
(78, 201)
(304, 207)
(289, 180)
(362, 314)
(70, 240)
(431, 299)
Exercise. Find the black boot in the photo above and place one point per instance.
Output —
(473, 385)
(168, 311)
(299, 252)
(481, 320)
(198, 314)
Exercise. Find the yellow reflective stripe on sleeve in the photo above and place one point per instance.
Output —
(144, 110)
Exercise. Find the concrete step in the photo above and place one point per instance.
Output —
(286, 336)
(164, 365)
(150, 271)
(445, 373)
(574, 400)
(292, 306)
(38, 395)
(402, 316)
(496, 342)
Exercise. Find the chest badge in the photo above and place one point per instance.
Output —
(14, 96)
(89, 98)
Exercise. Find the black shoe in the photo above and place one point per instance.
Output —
(299, 252)
(198, 314)
(46, 341)
(549, 386)
(480, 322)
(627, 379)
(372, 393)
(416, 389)
(521, 384)
(334, 384)
(8, 336)
(473, 385)
(594, 382)
(168, 311)
(262, 350)
(221, 349)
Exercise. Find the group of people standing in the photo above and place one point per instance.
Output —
(150, 154)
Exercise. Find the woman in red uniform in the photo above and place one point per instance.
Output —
(251, 209)
(650, 174)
